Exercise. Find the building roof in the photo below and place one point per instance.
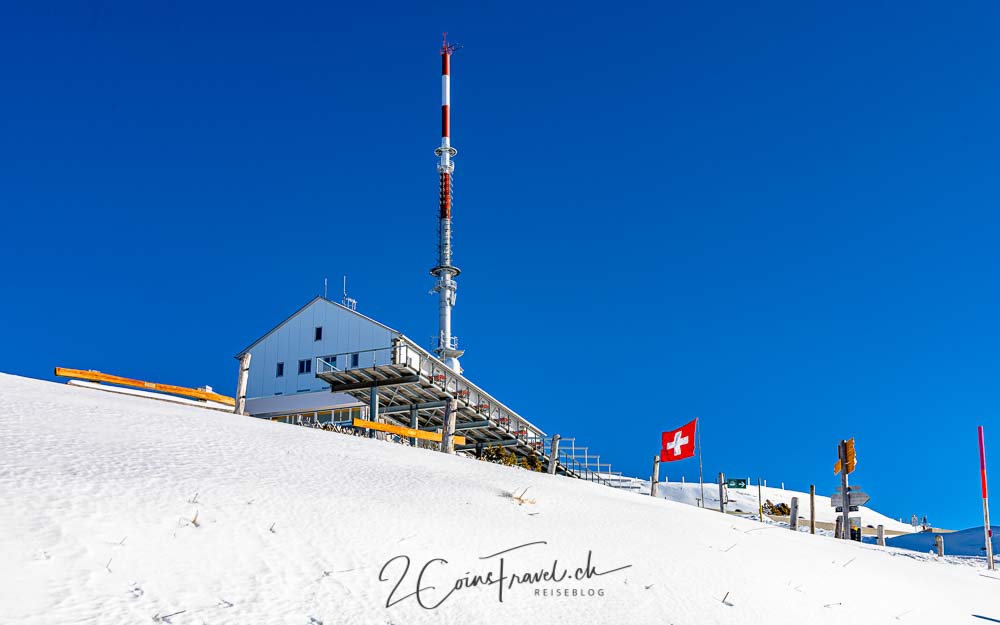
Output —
(307, 305)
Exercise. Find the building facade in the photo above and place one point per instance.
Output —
(282, 380)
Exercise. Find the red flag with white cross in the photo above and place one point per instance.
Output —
(678, 444)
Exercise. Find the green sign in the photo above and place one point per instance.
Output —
(736, 483)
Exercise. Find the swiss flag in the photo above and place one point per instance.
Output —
(678, 444)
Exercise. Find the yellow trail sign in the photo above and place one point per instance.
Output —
(403, 431)
(852, 458)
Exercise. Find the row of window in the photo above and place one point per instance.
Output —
(339, 415)
(305, 366)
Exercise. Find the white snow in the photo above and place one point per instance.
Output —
(746, 500)
(108, 388)
(98, 493)
(969, 542)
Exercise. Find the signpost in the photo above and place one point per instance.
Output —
(847, 460)
(736, 482)
(855, 498)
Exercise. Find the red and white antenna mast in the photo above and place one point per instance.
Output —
(446, 287)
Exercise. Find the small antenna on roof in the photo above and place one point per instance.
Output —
(324, 289)
(348, 302)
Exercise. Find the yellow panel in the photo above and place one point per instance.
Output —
(97, 376)
(403, 431)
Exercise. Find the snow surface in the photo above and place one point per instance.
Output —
(746, 501)
(119, 509)
(968, 542)
(108, 388)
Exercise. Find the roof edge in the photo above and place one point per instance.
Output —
(307, 305)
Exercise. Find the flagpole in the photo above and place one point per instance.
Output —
(986, 502)
(701, 474)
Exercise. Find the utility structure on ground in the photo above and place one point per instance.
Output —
(446, 287)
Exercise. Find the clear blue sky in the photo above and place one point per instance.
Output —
(780, 218)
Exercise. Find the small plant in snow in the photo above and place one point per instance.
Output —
(166, 617)
(520, 499)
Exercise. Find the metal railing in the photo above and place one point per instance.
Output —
(406, 354)
(359, 359)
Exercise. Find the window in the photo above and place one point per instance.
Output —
(305, 366)
(330, 362)
(318, 336)
(345, 415)
(279, 370)
(354, 360)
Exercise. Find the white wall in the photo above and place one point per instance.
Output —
(299, 402)
(343, 332)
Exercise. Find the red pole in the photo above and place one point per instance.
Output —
(986, 501)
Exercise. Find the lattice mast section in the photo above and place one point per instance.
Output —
(446, 287)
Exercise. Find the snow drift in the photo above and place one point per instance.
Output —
(118, 509)
(745, 500)
(969, 542)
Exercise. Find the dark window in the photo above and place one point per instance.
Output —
(305, 366)
(279, 370)
(319, 334)
(354, 360)
(331, 362)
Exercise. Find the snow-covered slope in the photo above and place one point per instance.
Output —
(118, 509)
(745, 500)
(968, 542)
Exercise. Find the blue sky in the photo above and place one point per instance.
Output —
(780, 218)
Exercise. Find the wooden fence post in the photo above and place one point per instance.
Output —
(241, 385)
(656, 476)
(793, 520)
(554, 455)
(838, 531)
(881, 535)
(722, 492)
(812, 508)
(760, 502)
(448, 431)
(939, 544)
